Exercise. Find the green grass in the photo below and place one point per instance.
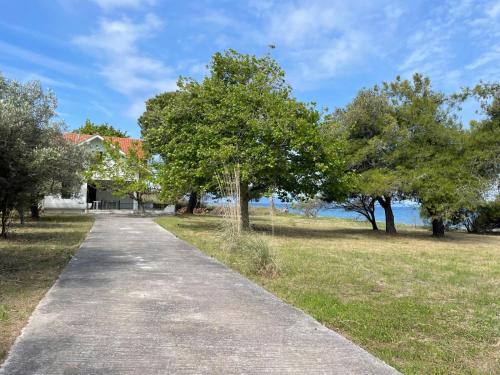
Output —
(30, 261)
(423, 305)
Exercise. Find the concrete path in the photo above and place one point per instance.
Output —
(137, 300)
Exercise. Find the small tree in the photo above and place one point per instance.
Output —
(310, 206)
(130, 174)
(366, 127)
(363, 205)
(35, 160)
(179, 175)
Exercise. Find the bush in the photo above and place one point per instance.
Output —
(260, 259)
(310, 206)
(485, 218)
(253, 249)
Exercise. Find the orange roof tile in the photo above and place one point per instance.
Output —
(125, 144)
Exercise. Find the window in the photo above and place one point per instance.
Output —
(66, 192)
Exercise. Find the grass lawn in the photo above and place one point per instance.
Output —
(423, 305)
(31, 259)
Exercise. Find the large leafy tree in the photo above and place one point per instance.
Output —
(105, 130)
(151, 119)
(35, 160)
(367, 126)
(432, 150)
(156, 135)
(484, 140)
(482, 155)
(241, 116)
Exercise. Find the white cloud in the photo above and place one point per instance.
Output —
(323, 39)
(315, 40)
(486, 58)
(493, 10)
(104, 110)
(39, 59)
(112, 4)
(218, 18)
(261, 5)
(136, 108)
(436, 46)
(126, 68)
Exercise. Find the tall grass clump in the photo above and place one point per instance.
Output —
(229, 188)
(253, 248)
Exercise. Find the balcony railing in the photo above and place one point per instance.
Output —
(111, 205)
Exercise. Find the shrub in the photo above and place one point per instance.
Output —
(260, 259)
(485, 218)
(488, 218)
(253, 250)
(310, 206)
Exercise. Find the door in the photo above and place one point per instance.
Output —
(91, 193)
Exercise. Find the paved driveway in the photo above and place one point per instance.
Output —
(137, 300)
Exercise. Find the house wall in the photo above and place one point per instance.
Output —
(107, 196)
(77, 202)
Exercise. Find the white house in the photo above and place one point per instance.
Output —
(89, 197)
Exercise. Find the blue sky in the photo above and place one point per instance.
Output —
(104, 58)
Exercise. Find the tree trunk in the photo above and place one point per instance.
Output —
(244, 213)
(5, 219)
(21, 215)
(385, 202)
(193, 199)
(373, 222)
(437, 227)
(370, 208)
(35, 211)
(140, 203)
(4, 222)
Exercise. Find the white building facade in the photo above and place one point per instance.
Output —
(89, 197)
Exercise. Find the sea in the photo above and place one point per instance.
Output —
(405, 212)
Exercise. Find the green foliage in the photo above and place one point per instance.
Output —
(367, 128)
(481, 219)
(481, 158)
(253, 249)
(130, 174)
(242, 115)
(104, 130)
(169, 130)
(404, 141)
(35, 160)
(434, 151)
(487, 217)
(310, 206)
(151, 119)
(258, 252)
(484, 142)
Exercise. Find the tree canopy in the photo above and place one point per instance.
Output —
(35, 160)
(433, 150)
(367, 127)
(104, 130)
(243, 115)
(403, 141)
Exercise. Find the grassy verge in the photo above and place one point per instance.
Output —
(424, 305)
(30, 261)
